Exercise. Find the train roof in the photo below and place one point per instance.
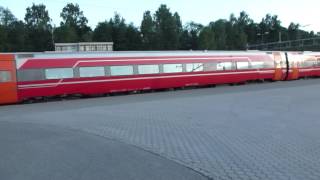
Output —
(23, 57)
(53, 54)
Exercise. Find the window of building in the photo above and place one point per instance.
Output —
(194, 67)
(121, 70)
(224, 66)
(5, 76)
(172, 68)
(148, 69)
(59, 73)
(91, 71)
(243, 65)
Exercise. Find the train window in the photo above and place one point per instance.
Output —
(242, 65)
(308, 63)
(59, 73)
(148, 69)
(194, 67)
(121, 70)
(224, 66)
(172, 68)
(257, 65)
(91, 71)
(210, 66)
(268, 64)
(30, 75)
(5, 76)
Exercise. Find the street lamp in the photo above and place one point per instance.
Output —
(305, 25)
(52, 35)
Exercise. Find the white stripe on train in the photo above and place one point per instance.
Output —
(164, 59)
(150, 59)
(30, 86)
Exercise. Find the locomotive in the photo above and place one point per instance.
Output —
(25, 76)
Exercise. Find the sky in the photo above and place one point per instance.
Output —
(305, 12)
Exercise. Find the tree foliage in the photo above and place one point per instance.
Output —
(6, 17)
(38, 37)
(148, 31)
(73, 27)
(73, 16)
(189, 39)
(168, 27)
(124, 36)
(38, 17)
(207, 38)
(159, 30)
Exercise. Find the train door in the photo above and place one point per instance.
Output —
(293, 61)
(280, 64)
(8, 82)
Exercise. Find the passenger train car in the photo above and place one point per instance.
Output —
(26, 76)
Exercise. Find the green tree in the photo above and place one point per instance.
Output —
(219, 28)
(178, 27)
(236, 38)
(133, 38)
(272, 26)
(189, 39)
(73, 16)
(73, 24)
(103, 32)
(293, 31)
(125, 37)
(148, 31)
(38, 17)
(248, 27)
(167, 28)
(38, 27)
(119, 29)
(65, 34)
(251, 31)
(12, 32)
(207, 38)
(6, 17)
(3, 39)
(161, 31)
(16, 37)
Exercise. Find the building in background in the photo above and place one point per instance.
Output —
(84, 46)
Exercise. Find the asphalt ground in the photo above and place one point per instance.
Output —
(254, 131)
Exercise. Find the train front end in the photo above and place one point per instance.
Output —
(8, 79)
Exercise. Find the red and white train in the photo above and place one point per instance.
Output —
(26, 76)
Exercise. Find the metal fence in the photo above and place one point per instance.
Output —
(310, 44)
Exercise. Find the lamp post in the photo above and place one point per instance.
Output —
(280, 36)
(52, 35)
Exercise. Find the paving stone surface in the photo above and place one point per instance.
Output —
(256, 131)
